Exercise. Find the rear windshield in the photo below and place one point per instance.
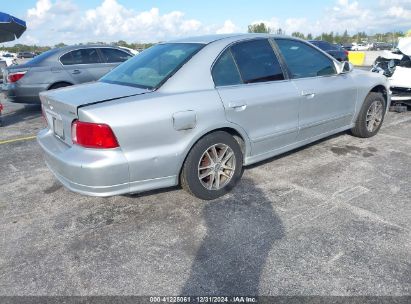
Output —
(42, 56)
(153, 66)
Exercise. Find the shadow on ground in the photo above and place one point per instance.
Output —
(27, 112)
(241, 230)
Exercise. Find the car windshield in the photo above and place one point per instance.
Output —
(153, 66)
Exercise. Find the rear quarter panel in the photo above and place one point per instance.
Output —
(146, 131)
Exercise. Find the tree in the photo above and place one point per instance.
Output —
(298, 35)
(259, 28)
(309, 36)
(59, 45)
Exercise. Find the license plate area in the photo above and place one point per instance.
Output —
(58, 128)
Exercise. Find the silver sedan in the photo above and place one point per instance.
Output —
(196, 111)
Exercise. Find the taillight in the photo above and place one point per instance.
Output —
(43, 114)
(93, 135)
(13, 77)
(346, 52)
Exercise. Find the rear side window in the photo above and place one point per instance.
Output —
(225, 71)
(256, 61)
(81, 56)
(114, 55)
(304, 61)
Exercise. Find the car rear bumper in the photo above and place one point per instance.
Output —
(87, 171)
(94, 172)
(22, 93)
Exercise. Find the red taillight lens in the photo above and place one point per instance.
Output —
(346, 52)
(93, 135)
(13, 77)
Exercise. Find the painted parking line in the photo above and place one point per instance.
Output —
(8, 141)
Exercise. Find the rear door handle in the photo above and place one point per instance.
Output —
(76, 72)
(309, 95)
(238, 106)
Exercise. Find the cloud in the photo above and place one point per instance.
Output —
(228, 28)
(51, 22)
(384, 16)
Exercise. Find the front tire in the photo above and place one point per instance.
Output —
(213, 166)
(371, 116)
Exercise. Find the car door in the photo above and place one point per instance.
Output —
(256, 95)
(112, 57)
(327, 98)
(83, 65)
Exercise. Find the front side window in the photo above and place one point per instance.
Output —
(153, 66)
(81, 56)
(257, 61)
(305, 61)
(113, 55)
(225, 71)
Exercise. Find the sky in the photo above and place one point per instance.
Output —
(73, 21)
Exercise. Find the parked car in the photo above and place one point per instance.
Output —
(60, 67)
(130, 50)
(22, 55)
(378, 46)
(347, 46)
(333, 49)
(396, 66)
(195, 111)
(10, 59)
(3, 65)
(360, 47)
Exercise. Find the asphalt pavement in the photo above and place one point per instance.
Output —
(332, 218)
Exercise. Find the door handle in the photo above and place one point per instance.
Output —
(238, 106)
(309, 95)
(76, 72)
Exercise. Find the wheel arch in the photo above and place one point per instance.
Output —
(59, 82)
(239, 135)
(380, 89)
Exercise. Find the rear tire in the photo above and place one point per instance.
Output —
(213, 166)
(371, 116)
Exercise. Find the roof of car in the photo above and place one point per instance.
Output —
(85, 46)
(206, 39)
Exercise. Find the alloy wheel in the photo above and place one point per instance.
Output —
(216, 167)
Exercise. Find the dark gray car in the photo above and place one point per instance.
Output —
(60, 67)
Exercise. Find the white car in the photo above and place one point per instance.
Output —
(10, 59)
(360, 47)
(132, 51)
(397, 67)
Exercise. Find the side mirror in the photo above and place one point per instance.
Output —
(347, 67)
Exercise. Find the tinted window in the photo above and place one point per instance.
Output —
(153, 66)
(81, 56)
(225, 71)
(114, 55)
(257, 61)
(305, 61)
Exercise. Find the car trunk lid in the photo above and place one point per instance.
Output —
(60, 106)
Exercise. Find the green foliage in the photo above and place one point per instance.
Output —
(259, 28)
(298, 35)
(39, 49)
(390, 37)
